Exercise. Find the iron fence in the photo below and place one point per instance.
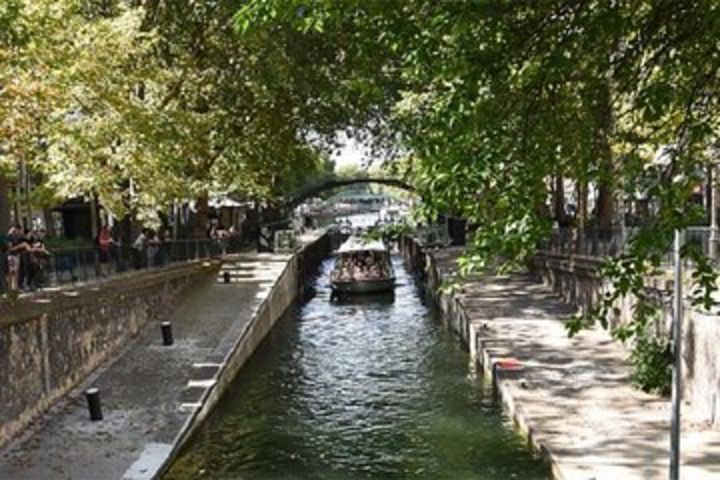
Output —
(71, 265)
(592, 242)
(596, 242)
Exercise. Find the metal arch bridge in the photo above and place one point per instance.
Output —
(296, 198)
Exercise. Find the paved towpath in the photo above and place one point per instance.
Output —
(149, 390)
(574, 395)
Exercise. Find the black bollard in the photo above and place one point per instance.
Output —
(93, 400)
(226, 276)
(167, 335)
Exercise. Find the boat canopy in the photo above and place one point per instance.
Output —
(355, 244)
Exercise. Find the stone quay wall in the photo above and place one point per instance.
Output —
(293, 282)
(577, 280)
(424, 264)
(52, 341)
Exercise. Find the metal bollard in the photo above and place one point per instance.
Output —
(226, 276)
(93, 400)
(167, 335)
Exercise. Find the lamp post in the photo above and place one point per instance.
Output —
(714, 237)
(677, 358)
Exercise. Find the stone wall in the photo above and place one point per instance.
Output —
(51, 342)
(576, 279)
(701, 362)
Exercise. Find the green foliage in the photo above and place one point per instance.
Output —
(389, 232)
(351, 171)
(142, 103)
(492, 100)
(485, 103)
(652, 363)
(10, 31)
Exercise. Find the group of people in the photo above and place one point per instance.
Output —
(151, 248)
(220, 236)
(23, 259)
(364, 266)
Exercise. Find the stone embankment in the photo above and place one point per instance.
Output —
(51, 341)
(571, 396)
(153, 396)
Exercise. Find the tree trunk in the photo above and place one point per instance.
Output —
(5, 206)
(605, 206)
(93, 217)
(606, 202)
(559, 202)
(582, 207)
(200, 219)
(176, 219)
(49, 222)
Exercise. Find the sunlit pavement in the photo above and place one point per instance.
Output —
(150, 390)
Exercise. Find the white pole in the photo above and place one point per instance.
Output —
(677, 360)
(713, 241)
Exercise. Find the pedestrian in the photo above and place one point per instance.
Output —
(221, 240)
(17, 246)
(103, 243)
(153, 248)
(65, 263)
(214, 236)
(139, 246)
(165, 237)
(232, 239)
(24, 254)
(37, 260)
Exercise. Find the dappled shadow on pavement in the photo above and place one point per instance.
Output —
(573, 395)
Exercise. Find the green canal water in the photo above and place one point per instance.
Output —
(377, 388)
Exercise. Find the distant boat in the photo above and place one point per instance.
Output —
(362, 267)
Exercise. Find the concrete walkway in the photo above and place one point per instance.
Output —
(149, 391)
(573, 396)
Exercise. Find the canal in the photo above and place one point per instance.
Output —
(372, 389)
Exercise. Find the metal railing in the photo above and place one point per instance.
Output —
(595, 242)
(71, 265)
(591, 242)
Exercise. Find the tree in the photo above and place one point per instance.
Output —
(142, 103)
(493, 99)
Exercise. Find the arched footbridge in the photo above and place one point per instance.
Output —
(296, 198)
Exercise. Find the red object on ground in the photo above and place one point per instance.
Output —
(508, 363)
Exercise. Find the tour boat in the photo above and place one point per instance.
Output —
(362, 267)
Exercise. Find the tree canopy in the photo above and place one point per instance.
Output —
(140, 103)
(494, 99)
(489, 103)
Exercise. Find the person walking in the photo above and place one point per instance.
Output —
(17, 247)
(104, 242)
(153, 248)
(37, 260)
(139, 246)
(165, 239)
